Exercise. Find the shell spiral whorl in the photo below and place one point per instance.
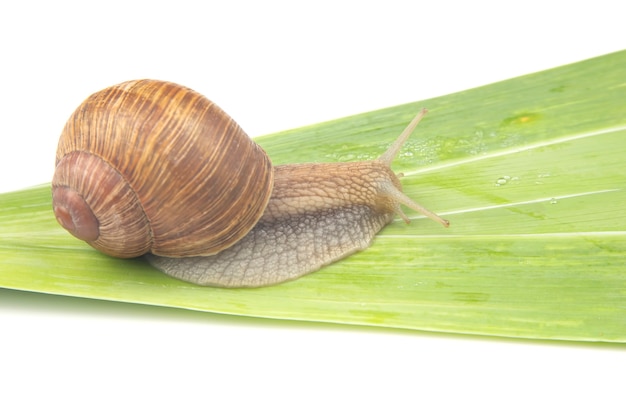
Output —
(175, 175)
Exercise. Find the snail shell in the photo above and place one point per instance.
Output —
(153, 167)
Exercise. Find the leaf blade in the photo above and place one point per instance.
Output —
(532, 181)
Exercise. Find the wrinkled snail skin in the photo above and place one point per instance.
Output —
(153, 168)
(317, 214)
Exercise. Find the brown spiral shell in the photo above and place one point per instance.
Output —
(151, 166)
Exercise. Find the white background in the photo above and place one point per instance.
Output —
(273, 66)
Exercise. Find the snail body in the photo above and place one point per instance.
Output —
(183, 178)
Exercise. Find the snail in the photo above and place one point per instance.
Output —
(153, 168)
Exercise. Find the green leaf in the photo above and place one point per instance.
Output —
(530, 172)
